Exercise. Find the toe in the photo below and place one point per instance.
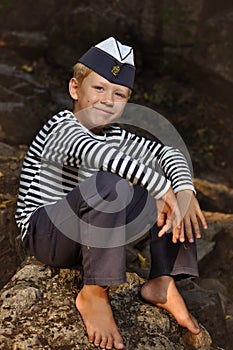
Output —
(97, 340)
(104, 342)
(196, 325)
(91, 337)
(109, 344)
(118, 343)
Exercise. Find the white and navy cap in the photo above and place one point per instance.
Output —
(111, 60)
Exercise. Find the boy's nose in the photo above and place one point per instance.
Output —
(107, 98)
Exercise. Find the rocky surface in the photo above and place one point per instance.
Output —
(38, 312)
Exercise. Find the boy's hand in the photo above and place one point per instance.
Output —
(191, 215)
(169, 215)
(184, 209)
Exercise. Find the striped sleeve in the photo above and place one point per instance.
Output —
(72, 146)
(166, 160)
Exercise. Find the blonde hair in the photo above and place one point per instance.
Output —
(80, 71)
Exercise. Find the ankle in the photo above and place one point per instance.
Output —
(156, 289)
(94, 290)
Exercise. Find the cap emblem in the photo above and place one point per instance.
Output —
(115, 70)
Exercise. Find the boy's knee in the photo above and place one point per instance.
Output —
(112, 186)
(108, 190)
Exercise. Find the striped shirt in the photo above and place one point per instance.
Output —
(64, 153)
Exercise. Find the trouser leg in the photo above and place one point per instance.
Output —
(51, 236)
(175, 259)
(104, 262)
(167, 258)
(91, 218)
(92, 224)
(103, 231)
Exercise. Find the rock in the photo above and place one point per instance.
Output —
(50, 295)
(151, 27)
(217, 222)
(18, 299)
(181, 22)
(29, 43)
(5, 343)
(204, 248)
(217, 197)
(23, 293)
(200, 341)
(189, 29)
(26, 97)
(213, 48)
(206, 305)
(217, 286)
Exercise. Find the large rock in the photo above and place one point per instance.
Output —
(213, 46)
(200, 32)
(38, 311)
(63, 31)
(57, 33)
(208, 306)
(23, 105)
(217, 197)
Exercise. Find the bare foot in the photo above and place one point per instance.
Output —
(162, 291)
(93, 304)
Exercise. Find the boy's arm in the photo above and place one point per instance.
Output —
(71, 146)
(179, 174)
(175, 168)
(168, 161)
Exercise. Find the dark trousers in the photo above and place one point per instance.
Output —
(92, 224)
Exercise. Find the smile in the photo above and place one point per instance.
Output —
(104, 111)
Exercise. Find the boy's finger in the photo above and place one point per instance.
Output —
(202, 219)
(177, 217)
(201, 216)
(189, 229)
(196, 227)
(165, 228)
(175, 234)
(161, 219)
(182, 236)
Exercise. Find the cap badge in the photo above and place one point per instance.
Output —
(115, 70)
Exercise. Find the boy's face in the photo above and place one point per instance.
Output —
(97, 101)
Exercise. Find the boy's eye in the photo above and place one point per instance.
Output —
(120, 94)
(99, 88)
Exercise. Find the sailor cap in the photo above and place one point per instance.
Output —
(111, 60)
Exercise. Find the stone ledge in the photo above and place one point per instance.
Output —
(38, 312)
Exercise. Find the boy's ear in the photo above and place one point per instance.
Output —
(73, 88)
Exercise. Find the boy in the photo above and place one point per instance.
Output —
(88, 186)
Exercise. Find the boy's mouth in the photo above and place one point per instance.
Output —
(104, 111)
